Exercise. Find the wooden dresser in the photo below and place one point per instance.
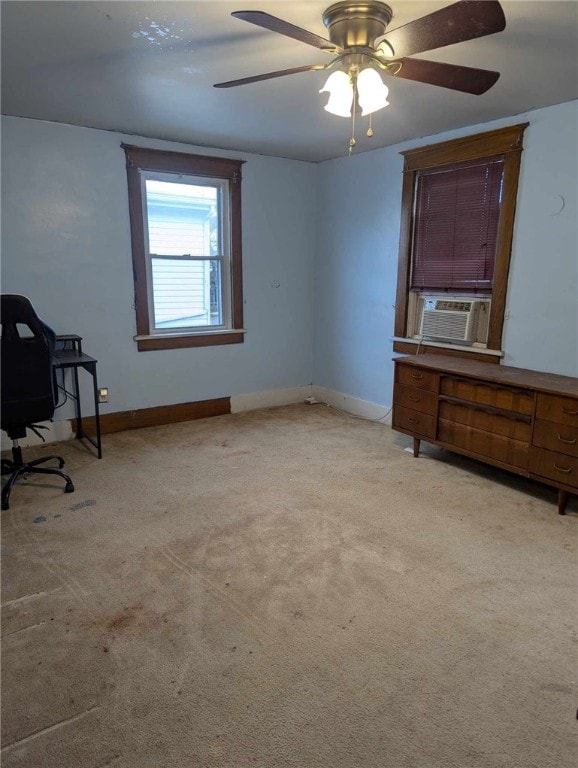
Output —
(519, 420)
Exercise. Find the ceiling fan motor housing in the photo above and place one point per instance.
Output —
(352, 24)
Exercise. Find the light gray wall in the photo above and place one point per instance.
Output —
(356, 268)
(66, 245)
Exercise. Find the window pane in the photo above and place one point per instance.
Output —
(186, 293)
(182, 219)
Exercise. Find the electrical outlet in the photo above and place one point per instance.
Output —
(103, 395)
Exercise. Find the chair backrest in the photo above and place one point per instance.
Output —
(27, 347)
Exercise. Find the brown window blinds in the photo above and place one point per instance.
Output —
(456, 226)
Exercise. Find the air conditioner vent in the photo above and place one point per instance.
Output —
(450, 319)
(453, 306)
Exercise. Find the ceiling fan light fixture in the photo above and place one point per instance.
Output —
(340, 90)
(372, 92)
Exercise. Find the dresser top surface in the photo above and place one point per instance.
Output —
(498, 374)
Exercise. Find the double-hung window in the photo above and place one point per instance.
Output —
(186, 244)
(458, 205)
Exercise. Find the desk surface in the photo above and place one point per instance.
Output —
(74, 337)
(70, 358)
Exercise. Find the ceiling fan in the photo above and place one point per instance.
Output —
(358, 40)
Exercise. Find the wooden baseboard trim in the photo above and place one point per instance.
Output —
(154, 417)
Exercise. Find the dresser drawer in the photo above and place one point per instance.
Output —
(506, 398)
(555, 466)
(416, 399)
(413, 421)
(484, 444)
(416, 377)
(479, 418)
(562, 410)
(556, 437)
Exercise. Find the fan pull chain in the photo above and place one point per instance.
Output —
(370, 129)
(352, 141)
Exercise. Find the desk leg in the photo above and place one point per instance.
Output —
(96, 412)
(89, 365)
(79, 429)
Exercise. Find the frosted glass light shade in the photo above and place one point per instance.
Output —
(340, 90)
(372, 92)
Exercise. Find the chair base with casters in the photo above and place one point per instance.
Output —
(17, 468)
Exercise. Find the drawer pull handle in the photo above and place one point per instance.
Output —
(416, 376)
(565, 440)
(561, 469)
(415, 421)
(569, 412)
(415, 399)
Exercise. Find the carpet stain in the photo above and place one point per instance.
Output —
(123, 619)
(39, 519)
(130, 619)
(82, 504)
(556, 688)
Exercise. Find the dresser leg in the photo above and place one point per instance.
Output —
(416, 442)
(562, 498)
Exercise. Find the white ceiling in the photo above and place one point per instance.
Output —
(148, 68)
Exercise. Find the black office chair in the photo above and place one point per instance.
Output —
(28, 386)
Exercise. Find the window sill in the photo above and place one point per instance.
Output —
(146, 343)
(417, 346)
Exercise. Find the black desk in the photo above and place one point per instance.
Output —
(69, 354)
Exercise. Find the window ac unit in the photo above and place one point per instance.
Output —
(450, 319)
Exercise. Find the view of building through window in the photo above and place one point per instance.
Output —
(186, 249)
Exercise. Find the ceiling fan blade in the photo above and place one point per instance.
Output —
(265, 20)
(269, 76)
(457, 78)
(464, 20)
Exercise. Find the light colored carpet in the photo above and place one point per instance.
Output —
(286, 587)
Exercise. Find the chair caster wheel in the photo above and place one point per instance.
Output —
(68, 488)
(5, 505)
